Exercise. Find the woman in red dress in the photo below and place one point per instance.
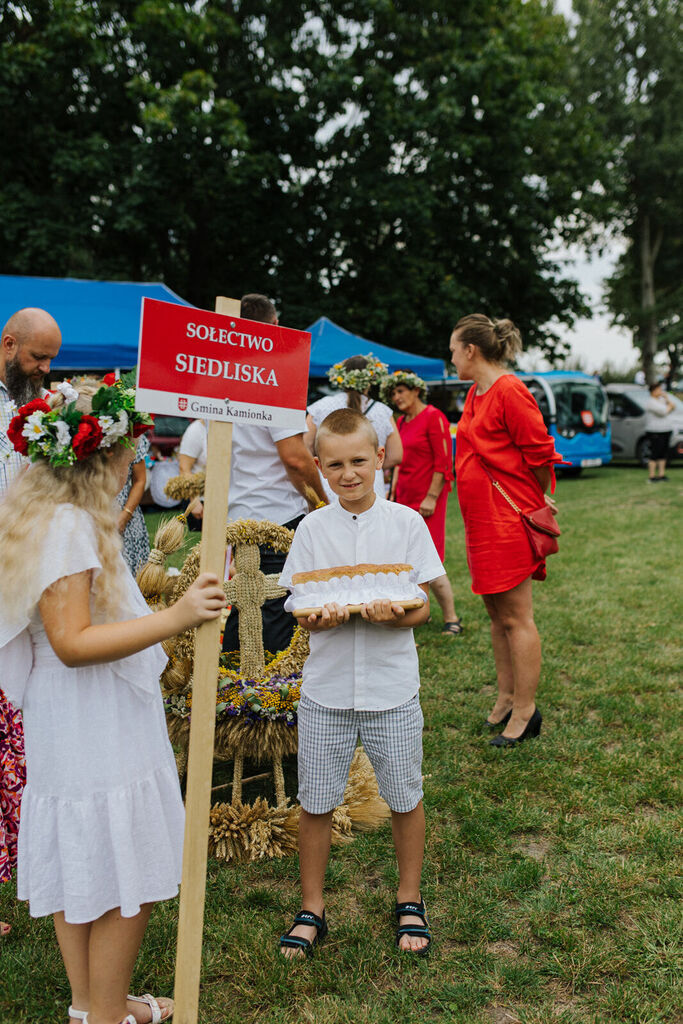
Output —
(425, 475)
(502, 431)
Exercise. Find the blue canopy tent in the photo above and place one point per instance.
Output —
(331, 343)
(99, 320)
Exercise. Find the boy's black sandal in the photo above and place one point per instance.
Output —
(421, 931)
(289, 941)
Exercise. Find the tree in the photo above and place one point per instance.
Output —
(390, 164)
(637, 95)
(460, 164)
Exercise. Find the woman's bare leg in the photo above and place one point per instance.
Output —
(514, 618)
(443, 592)
(503, 662)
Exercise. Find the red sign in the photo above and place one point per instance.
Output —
(192, 362)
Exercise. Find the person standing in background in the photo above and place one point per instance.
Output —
(502, 437)
(425, 476)
(30, 340)
(192, 459)
(354, 377)
(272, 477)
(658, 409)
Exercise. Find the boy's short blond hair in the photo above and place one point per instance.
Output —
(346, 421)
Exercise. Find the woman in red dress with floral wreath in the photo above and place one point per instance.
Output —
(425, 475)
(502, 431)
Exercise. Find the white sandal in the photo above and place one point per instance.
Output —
(157, 1011)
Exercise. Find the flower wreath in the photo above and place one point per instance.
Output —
(410, 380)
(65, 435)
(357, 380)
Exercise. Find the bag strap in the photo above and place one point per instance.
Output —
(495, 483)
(498, 487)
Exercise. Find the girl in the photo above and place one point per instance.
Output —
(101, 830)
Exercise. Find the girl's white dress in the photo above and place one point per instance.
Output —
(102, 815)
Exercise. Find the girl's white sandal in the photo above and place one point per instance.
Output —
(157, 1011)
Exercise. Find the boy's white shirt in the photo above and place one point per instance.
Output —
(362, 665)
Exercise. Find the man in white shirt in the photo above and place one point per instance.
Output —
(30, 340)
(273, 476)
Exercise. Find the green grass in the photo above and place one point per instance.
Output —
(551, 869)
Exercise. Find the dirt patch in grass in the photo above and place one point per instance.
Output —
(488, 688)
(648, 811)
(507, 950)
(500, 1015)
(535, 847)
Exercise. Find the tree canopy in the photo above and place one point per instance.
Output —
(629, 54)
(389, 164)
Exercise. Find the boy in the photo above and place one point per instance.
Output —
(361, 677)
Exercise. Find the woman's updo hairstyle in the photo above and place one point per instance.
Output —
(499, 341)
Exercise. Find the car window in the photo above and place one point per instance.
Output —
(621, 407)
(581, 405)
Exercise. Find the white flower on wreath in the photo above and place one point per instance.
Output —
(33, 427)
(63, 439)
(113, 429)
(69, 392)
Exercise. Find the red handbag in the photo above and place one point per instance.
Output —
(540, 524)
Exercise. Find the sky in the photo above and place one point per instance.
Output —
(594, 340)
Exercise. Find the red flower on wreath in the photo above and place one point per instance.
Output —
(16, 424)
(87, 437)
(140, 428)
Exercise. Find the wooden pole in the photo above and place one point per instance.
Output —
(203, 723)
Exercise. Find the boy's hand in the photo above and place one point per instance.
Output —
(382, 611)
(332, 615)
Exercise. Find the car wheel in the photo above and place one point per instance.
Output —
(643, 451)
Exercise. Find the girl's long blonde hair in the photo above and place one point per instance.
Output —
(30, 503)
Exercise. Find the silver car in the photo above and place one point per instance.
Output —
(627, 419)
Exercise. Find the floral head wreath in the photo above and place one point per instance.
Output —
(357, 380)
(405, 377)
(65, 435)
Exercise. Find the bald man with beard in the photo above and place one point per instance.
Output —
(30, 340)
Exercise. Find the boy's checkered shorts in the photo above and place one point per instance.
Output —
(327, 739)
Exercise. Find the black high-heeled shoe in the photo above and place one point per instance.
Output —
(533, 728)
(498, 725)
